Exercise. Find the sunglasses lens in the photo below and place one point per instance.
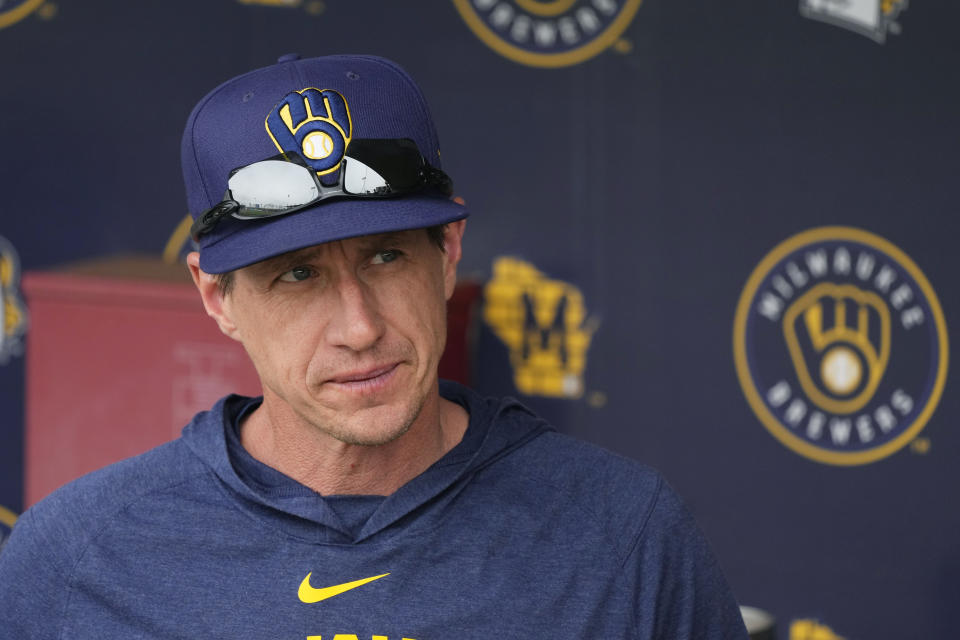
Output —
(359, 179)
(382, 167)
(272, 186)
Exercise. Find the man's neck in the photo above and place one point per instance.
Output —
(331, 467)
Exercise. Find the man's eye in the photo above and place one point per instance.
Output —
(297, 275)
(385, 256)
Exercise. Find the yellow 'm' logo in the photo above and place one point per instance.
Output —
(851, 360)
(544, 324)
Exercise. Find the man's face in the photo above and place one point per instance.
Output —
(347, 335)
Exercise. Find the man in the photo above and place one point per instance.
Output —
(360, 497)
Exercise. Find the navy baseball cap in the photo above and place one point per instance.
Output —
(315, 107)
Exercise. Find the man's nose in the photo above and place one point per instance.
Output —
(356, 322)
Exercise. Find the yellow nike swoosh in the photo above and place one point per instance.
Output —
(310, 595)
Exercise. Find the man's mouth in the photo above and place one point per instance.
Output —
(365, 380)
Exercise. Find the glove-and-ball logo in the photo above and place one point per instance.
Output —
(314, 123)
(840, 346)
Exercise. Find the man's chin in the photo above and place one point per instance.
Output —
(372, 440)
(374, 426)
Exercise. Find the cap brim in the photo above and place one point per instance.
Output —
(238, 243)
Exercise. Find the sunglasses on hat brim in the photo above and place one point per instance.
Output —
(283, 184)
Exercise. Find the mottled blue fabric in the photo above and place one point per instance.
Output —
(518, 532)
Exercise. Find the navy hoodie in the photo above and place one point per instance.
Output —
(518, 532)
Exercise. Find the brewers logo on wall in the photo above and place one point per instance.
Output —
(544, 324)
(872, 18)
(548, 33)
(840, 346)
(12, 311)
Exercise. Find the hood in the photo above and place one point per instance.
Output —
(497, 427)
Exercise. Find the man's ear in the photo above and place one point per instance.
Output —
(214, 302)
(453, 251)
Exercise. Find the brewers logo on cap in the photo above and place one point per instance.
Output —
(316, 124)
(840, 346)
(548, 33)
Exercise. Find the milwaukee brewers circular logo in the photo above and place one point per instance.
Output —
(840, 346)
(548, 33)
(12, 11)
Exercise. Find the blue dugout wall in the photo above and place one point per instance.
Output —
(713, 236)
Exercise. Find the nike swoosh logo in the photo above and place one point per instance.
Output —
(310, 595)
